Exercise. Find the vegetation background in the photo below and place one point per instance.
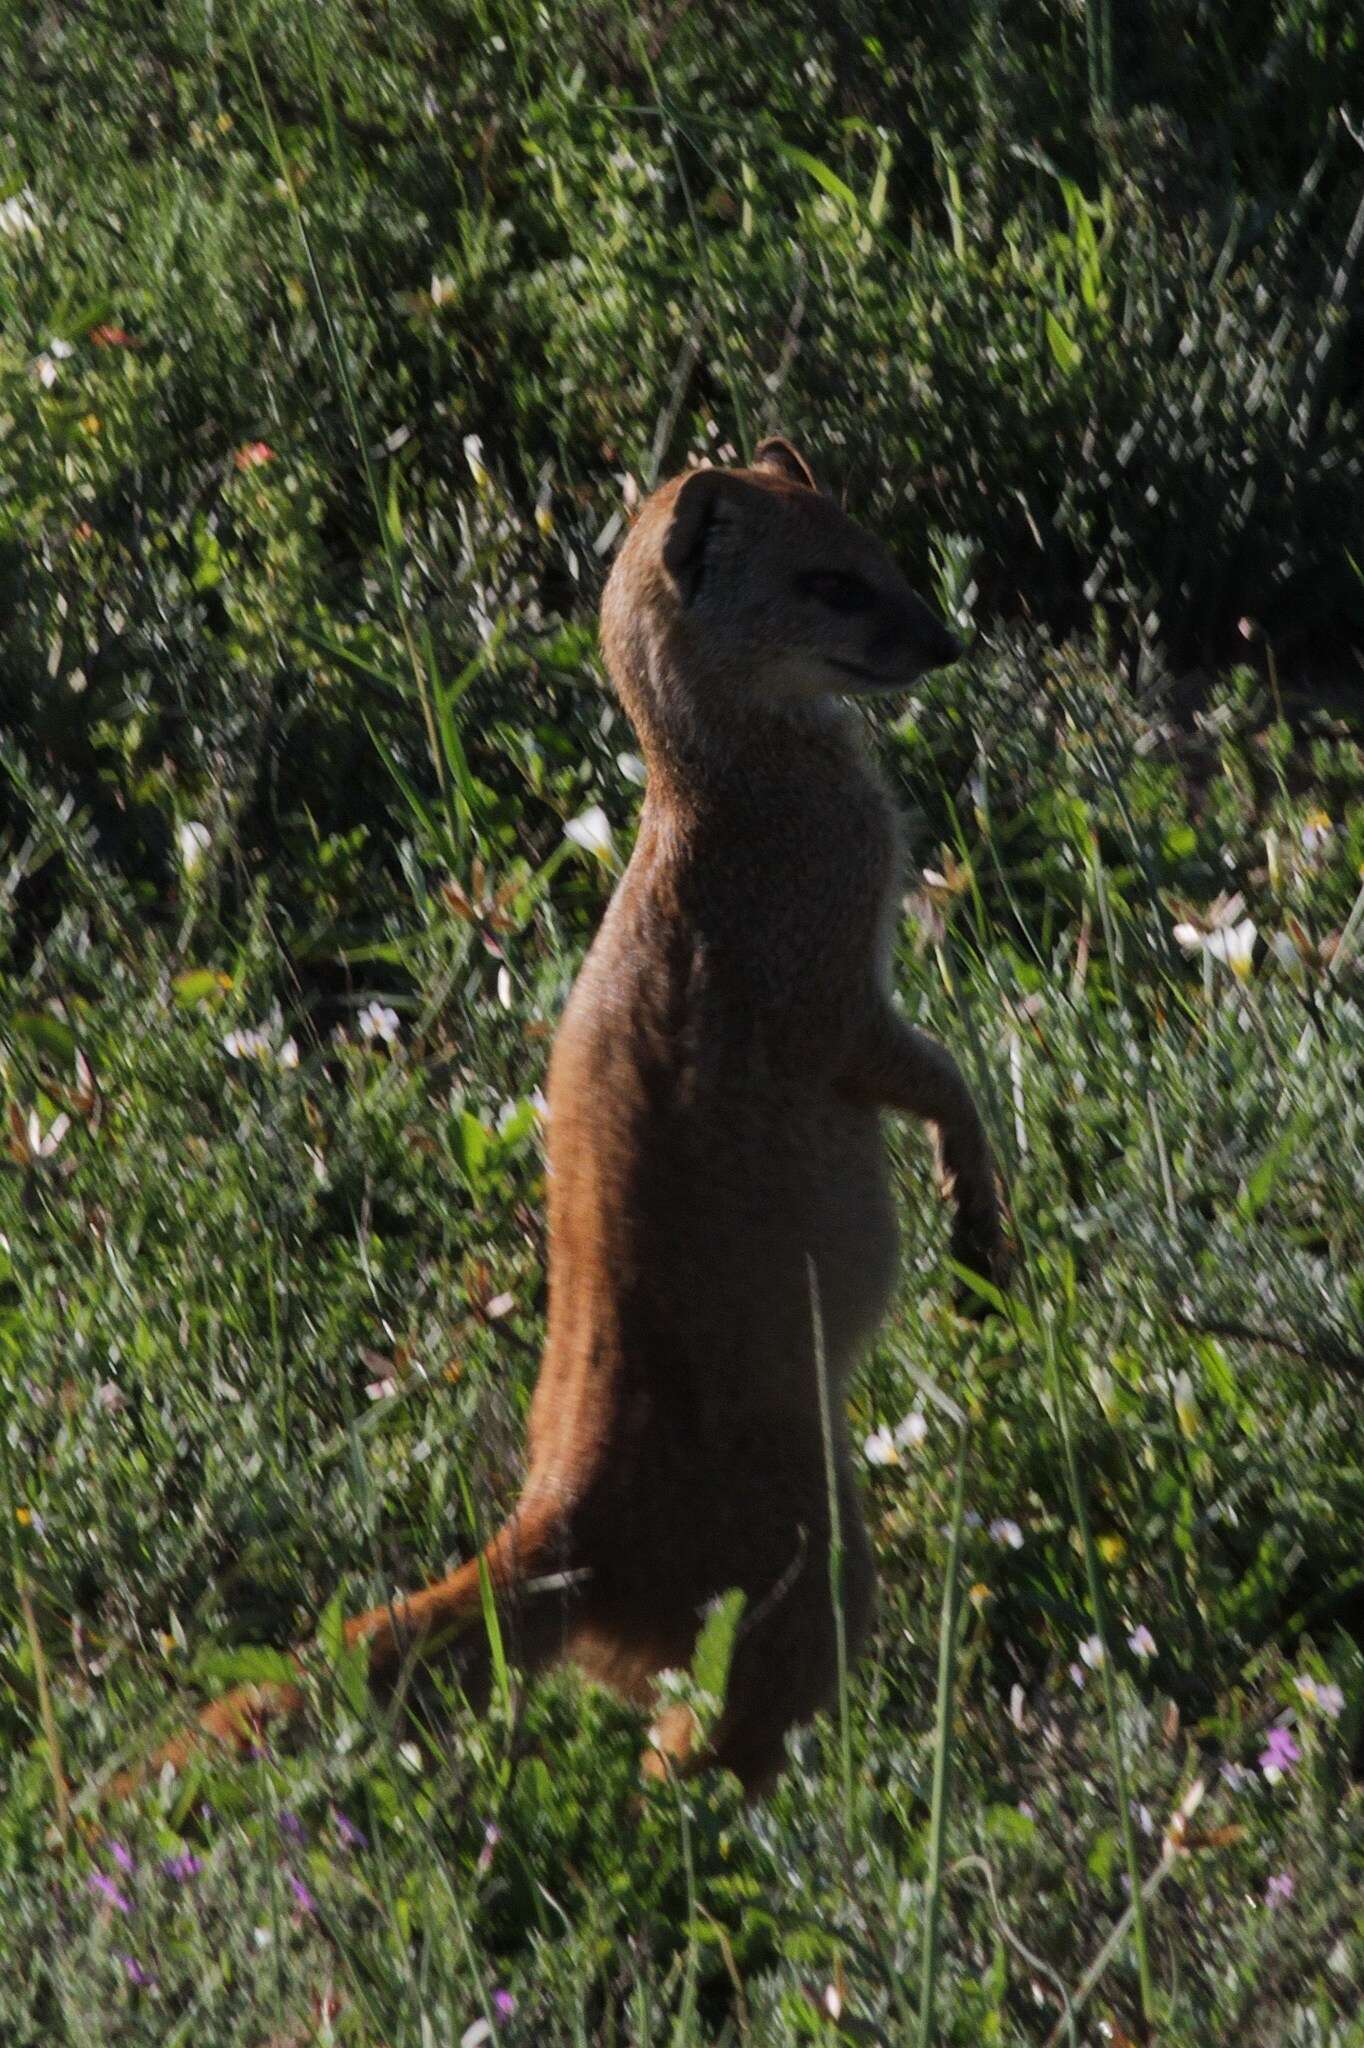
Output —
(336, 343)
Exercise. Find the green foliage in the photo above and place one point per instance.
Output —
(331, 339)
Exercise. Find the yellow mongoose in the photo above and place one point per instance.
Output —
(714, 1132)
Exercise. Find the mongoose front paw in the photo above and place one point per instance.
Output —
(980, 1244)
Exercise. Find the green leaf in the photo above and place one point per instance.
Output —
(710, 1660)
(822, 175)
(47, 1034)
(250, 1665)
(200, 985)
(1066, 350)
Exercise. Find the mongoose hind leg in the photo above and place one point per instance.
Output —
(785, 1667)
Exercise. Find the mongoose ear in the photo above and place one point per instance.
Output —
(781, 458)
(684, 544)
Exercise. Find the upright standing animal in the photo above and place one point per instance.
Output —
(715, 1096)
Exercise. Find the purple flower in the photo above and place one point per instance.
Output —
(291, 1825)
(182, 1867)
(123, 1857)
(1280, 1889)
(136, 1974)
(107, 1889)
(305, 1900)
(349, 1834)
(1280, 1753)
(504, 2005)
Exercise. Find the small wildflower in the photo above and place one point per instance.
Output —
(633, 769)
(591, 830)
(181, 1867)
(1186, 1408)
(347, 1833)
(193, 840)
(291, 1825)
(1092, 1652)
(978, 1594)
(1006, 1533)
(1316, 831)
(912, 1433)
(45, 370)
(504, 2005)
(105, 336)
(18, 215)
(303, 1898)
(109, 1891)
(492, 1835)
(1279, 1754)
(1280, 1889)
(1110, 1547)
(254, 455)
(1141, 1642)
(136, 1974)
(880, 1448)
(122, 1855)
(473, 455)
(1221, 933)
(1328, 1699)
(287, 1056)
(377, 1020)
(1077, 1676)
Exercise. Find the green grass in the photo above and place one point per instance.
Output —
(1069, 309)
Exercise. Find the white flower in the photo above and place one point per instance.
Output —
(42, 1144)
(1006, 1533)
(1105, 1392)
(250, 1044)
(632, 768)
(1222, 934)
(1141, 1642)
(1186, 1408)
(194, 841)
(60, 349)
(473, 455)
(256, 1043)
(376, 1020)
(1316, 831)
(1092, 1652)
(912, 1433)
(591, 830)
(18, 215)
(45, 370)
(1235, 945)
(1328, 1699)
(880, 1448)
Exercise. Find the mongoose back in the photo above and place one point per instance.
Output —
(715, 1094)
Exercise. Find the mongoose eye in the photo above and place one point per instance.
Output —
(836, 590)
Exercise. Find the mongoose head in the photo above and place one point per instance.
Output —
(748, 591)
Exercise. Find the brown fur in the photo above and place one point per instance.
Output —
(714, 1135)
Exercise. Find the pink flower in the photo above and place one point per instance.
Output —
(112, 337)
(107, 1889)
(123, 1858)
(182, 1867)
(1280, 1753)
(136, 1974)
(304, 1898)
(1280, 1889)
(349, 1834)
(254, 455)
(504, 2005)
